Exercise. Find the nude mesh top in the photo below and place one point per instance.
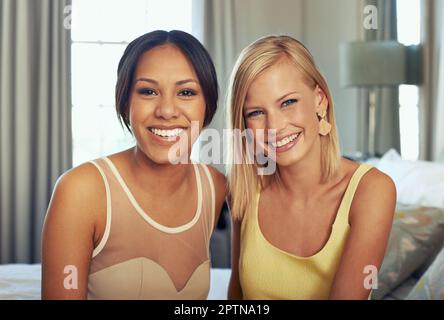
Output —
(138, 258)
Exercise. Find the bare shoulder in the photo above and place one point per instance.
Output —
(84, 181)
(79, 193)
(375, 197)
(374, 183)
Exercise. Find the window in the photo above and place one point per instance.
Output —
(101, 30)
(408, 18)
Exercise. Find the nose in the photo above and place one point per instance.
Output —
(276, 120)
(166, 108)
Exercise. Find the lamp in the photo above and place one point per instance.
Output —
(373, 64)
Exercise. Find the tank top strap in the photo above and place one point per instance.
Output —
(344, 208)
(208, 200)
(107, 181)
(109, 178)
(101, 166)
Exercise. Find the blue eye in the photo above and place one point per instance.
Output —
(187, 93)
(147, 92)
(288, 102)
(254, 113)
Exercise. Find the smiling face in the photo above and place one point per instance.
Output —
(279, 98)
(166, 98)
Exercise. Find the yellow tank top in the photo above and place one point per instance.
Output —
(267, 272)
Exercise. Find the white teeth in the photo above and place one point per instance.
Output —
(285, 141)
(166, 133)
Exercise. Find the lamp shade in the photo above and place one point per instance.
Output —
(372, 63)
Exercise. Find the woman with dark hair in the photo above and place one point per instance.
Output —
(137, 224)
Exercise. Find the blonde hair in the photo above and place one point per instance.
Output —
(243, 180)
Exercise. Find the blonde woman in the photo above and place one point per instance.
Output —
(318, 227)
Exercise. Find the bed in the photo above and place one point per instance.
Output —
(22, 282)
(413, 266)
(414, 261)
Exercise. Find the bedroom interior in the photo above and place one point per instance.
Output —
(58, 61)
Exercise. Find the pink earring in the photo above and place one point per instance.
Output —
(324, 126)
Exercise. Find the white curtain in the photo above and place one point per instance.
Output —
(432, 92)
(387, 98)
(35, 119)
(220, 39)
(438, 153)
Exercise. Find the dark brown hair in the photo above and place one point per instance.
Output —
(192, 49)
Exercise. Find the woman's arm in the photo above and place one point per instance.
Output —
(69, 233)
(370, 218)
(234, 287)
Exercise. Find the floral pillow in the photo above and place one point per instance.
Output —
(417, 234)
(431, 284)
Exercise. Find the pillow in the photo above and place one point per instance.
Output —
(431, 284)
(417, 233)
(417, 182)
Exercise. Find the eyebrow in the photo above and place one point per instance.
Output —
(180, 82)
(285, 95)
(277, 100)
(246, 108)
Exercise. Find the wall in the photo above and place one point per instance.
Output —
(326, 25)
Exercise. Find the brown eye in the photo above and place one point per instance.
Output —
(187, 93)
(146, 92)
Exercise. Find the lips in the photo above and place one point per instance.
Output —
(166, 132)
(166, 135)
(284, 141)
